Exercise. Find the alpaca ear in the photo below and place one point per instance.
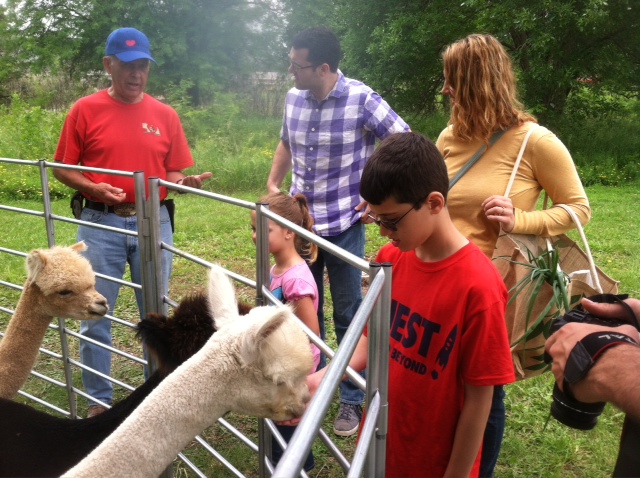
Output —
(79, 247)
(36, 260)
(221, 297)
(270, 326)
(260, 343)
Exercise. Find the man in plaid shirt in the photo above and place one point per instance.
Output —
(329, 131)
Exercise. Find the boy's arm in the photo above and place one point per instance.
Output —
(358, 362)
(470, 430)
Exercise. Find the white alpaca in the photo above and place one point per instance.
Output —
(254, 365)
(60, 283)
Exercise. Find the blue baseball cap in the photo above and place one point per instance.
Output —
(128, 44)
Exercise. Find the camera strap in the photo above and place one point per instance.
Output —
(586, 352)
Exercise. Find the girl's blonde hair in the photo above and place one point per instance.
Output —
(295, 209)
(479, 71)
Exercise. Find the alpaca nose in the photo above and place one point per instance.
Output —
(306, 396)
(100, 305)
(297, 410)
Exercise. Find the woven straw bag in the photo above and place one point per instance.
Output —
(531, 307)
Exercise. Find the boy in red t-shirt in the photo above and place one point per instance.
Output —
(448, 339)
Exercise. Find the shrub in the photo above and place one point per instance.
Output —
(606, 173)
(600, 131)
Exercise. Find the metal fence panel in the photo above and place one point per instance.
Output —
(369, 456)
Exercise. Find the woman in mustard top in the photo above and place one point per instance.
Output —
(481, 85)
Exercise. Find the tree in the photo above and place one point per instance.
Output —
(301, 14)
(205, 42)
(556, 43)
(396, 45)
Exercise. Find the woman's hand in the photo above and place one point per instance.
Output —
(500, 209)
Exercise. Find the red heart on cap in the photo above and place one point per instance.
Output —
(130, 42)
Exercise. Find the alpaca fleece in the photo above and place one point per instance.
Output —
(255, 365)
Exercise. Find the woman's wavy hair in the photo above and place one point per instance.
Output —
(295, 209)
(479, 71)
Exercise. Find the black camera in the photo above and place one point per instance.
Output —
(564, 408)
(579, 315)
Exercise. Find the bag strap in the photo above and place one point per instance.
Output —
(516, 165)
(587, 249)
(474, 159)
(572, 214)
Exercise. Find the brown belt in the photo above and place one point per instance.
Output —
(126, 209)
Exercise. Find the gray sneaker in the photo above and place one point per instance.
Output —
(348, 420)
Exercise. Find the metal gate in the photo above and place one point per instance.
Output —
(369, 455)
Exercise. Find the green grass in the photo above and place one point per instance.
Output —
(221, 233)
(614, 231)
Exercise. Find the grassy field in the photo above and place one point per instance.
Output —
(534, 445)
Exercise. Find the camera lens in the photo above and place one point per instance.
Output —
(574, 414)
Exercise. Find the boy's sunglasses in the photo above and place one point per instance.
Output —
(391, 225)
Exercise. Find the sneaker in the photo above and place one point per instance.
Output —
(348, 420)
(96, 410)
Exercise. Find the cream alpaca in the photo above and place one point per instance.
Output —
(254, 365)
(60, 283)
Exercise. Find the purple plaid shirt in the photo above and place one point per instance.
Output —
(330, 141)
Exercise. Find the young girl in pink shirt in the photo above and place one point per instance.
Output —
(291, 279)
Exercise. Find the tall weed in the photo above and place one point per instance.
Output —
(31, 133)
(238, 153)
(28, 132)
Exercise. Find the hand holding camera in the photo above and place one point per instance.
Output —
(578, 340)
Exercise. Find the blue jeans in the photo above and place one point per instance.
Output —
(345, 283)
(493, 433)
(109, 252)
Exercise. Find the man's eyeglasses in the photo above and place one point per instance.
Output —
(296, 68)
(391, 225)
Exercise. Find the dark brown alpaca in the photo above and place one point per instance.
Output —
(35, 443)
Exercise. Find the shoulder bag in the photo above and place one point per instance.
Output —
(546, 277)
